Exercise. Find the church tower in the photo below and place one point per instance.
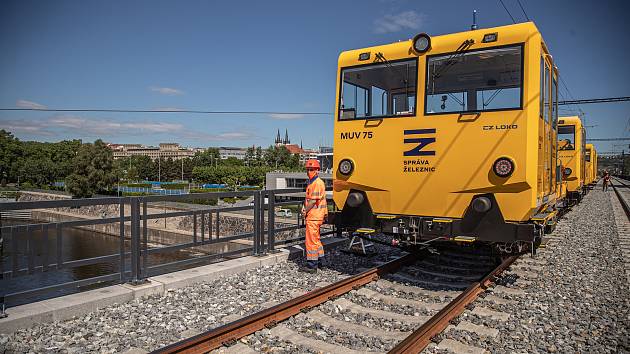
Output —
(278, 140)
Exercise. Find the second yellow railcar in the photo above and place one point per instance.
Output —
(589, 161)
(571, 150)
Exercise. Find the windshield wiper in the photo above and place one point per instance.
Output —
(450, 62)
(381, 58)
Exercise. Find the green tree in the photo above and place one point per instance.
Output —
(93, 170)
(147, 169)
(279, 157)
(259, 156)
(39, 172)
(250, 156)
(209, 157)
(11, 149)
(232, 161)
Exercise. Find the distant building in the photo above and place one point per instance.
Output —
(325, 157)
(237, 152)
(165, 151)
(281, 180)
(285, 141)
(305, 154)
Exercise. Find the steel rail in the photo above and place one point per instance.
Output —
(215, 338)
(420, 338)
(624, 203)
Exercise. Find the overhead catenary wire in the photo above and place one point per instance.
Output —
(115, 110)
(508, 11)
(594, 100)
(565, 102)
(522, 9)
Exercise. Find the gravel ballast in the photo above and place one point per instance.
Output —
(576, 293)
(158, 320)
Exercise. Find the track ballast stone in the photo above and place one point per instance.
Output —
(576, 294)
(158, 320)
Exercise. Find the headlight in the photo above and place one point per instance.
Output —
(503, 167)
(421, 43)
(568, 171)
(346, 167)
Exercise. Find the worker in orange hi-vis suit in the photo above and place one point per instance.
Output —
(314, 212)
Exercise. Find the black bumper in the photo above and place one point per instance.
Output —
(488, 226)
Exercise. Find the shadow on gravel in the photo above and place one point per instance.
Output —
(445, 267)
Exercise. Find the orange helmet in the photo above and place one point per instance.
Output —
(312, 164)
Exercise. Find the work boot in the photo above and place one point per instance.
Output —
(308, 270)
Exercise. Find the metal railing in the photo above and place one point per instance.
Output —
(125, 189)
(24, 253)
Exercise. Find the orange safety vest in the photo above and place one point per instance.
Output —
(316, 190)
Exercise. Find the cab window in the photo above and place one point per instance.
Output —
(554, 98)
(566, 137)
(588, 156)
(474, 81)
(542, 86)
(379, 90)
(547, 97)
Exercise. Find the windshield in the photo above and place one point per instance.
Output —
(474, 81)
(566, 137)
(379, 90)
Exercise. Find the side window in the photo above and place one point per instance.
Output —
(546, 96)
(555, 100)
(566, 137)
(542, 87)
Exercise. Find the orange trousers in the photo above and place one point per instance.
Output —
(314, 248)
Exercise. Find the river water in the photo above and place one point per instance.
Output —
(77, 244)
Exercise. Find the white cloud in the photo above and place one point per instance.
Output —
(104, 127)
(394, 23)
(34, 127)
(78, 127)
(166, 90)
(286, 116)
(29, 104)
(225, 136)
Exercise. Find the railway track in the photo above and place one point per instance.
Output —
(620, 194)
(435, 287)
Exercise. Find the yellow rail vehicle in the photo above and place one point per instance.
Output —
(451, 137)
(589, 161)
(571, 150)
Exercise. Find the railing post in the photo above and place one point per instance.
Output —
(257, 233)
(261, 220)
(135, 240)
(271, 221)
(121, 243)
(145, 242)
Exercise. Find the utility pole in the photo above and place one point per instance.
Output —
(159, 167)
(182, 168)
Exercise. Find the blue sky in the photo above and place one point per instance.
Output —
(258, 56)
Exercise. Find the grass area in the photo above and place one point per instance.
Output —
(9, 193)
